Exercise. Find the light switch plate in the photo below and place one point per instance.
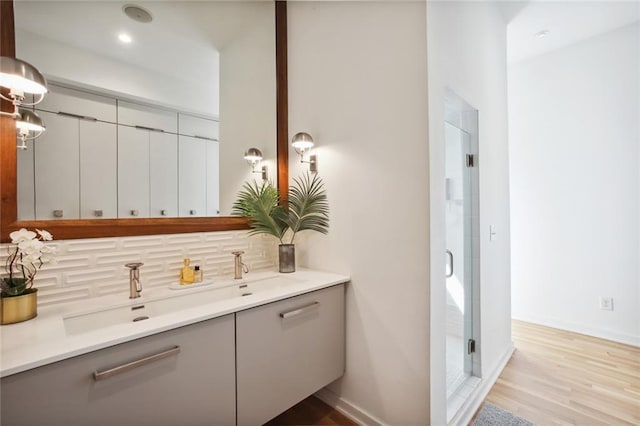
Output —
(493, 234)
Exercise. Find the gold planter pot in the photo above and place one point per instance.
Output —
(19, 308)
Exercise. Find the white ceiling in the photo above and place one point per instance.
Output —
(567, 22)
(182, 41)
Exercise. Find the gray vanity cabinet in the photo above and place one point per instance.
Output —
(188, 380)
(286, 351)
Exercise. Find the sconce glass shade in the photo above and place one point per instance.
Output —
(21, 76)
(29, 121)
(302, 142)
(253, 156)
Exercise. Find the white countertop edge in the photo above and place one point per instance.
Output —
(56, 345)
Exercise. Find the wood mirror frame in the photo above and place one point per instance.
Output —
(92, 228)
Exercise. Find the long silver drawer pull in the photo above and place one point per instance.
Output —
(101, 375)
(299, 311)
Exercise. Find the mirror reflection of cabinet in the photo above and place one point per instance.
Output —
(133, 172)
(57, 181)
(199, 158)
(73, 165)
(147, 165)
(98, 159)
(119, 160)
(163, 175)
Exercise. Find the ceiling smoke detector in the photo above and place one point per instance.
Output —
(137, 13)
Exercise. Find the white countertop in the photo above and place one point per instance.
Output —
(45, 339)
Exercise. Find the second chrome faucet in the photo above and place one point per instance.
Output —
(238, 266)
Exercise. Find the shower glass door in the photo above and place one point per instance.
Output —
(458, 256)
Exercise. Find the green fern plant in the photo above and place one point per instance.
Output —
(307, 208)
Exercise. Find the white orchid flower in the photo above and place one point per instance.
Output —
(22, 235)
(29, 254)
(31, 247)
(46, 235)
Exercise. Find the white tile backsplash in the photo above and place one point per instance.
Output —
(95, 267)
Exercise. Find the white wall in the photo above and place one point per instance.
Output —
(358, 85)
(574, 140)
(467, 54)
(248, 104)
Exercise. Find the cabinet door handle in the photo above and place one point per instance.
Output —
(81, 117)
(151, 129)
(450, 273)
(207, 138)
(105, 374)
(299, 311)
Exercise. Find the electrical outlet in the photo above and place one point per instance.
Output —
(606, 303)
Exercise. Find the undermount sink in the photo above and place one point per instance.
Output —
(139, 310)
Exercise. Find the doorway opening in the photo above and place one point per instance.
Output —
(462, 252)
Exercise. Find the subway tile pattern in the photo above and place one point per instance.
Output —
(95, 267)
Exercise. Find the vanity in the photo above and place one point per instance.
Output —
(231, 353)
(235, 353)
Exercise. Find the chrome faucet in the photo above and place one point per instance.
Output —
(135, 286)
(238, 265)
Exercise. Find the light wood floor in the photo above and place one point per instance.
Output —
(311, 412)
(560, 378)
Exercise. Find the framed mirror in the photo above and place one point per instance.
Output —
(216, 79)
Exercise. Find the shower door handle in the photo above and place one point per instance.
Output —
(450, 274)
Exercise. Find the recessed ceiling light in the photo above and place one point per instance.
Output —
(125, 38)
(542, 34)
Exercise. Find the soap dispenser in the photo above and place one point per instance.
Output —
(186, 273)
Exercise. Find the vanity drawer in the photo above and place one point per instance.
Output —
(186, 379)
(288, 350)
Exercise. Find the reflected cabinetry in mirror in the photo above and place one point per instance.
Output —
(103, 157)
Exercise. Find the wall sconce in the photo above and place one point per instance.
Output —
(29, 126)
(253, 157)
(21, 77)
(303, 142)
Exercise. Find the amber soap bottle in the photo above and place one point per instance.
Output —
(187, 273)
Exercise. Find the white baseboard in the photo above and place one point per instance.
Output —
(602, 333)
(473, 402)
(347, 408)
